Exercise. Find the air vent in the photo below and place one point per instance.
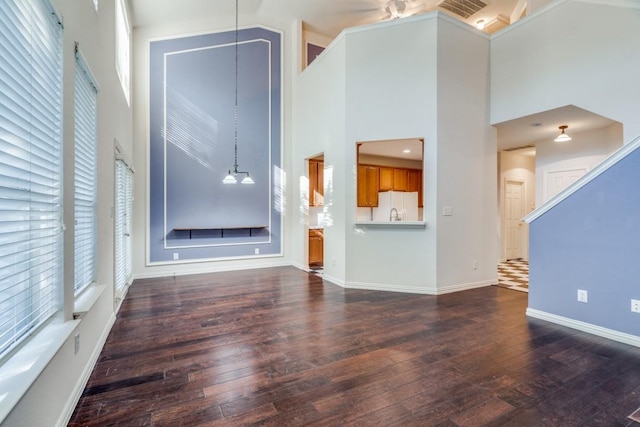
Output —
(463, 8)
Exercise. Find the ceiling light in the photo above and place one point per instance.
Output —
(231, 176)
(480, 24)
(563, 137)
(396, 8)
(406, 151)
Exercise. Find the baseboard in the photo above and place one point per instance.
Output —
(168, 272)
(333, 280)
(585, 327)
(391, 288)
(74, 398)
(465, 286)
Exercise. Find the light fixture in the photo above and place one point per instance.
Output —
(480, 24)
(396, 8)
(231, 176)
(563, 137)
(406, 151)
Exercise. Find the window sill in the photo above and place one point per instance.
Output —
(24, 367)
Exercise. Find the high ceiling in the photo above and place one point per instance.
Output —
(330, 17)
(327, 17)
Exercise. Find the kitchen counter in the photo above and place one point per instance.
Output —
(393, 224)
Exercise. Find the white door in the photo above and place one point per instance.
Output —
(513, 213)
(559, 180)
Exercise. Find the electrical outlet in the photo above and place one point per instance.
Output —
(475, 264)
(635, 305)
(583, 296)
(176, 256)
(76, 343)
(257, 251)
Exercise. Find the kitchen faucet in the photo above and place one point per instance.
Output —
(396, 217)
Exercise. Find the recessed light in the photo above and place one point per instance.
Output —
(406, 151)
(536, 125)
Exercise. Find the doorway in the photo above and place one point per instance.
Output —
(315, 236)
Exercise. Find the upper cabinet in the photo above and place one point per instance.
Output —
(316, 182)
(368, 185)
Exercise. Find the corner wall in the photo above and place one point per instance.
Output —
(467, 248)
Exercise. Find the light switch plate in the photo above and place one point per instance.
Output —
(583, 295)
(447, 211)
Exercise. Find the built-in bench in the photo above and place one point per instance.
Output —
(251, 229)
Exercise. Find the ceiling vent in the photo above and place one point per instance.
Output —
(463, 8)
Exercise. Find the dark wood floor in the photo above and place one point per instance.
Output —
(279, 347)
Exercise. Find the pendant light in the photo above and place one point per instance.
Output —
(563, 137)
(231, 177)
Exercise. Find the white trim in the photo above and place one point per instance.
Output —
(614, 158)
(209, 268)
(74, 398)
(585, 327)
(440, 290)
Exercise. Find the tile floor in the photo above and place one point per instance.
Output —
(514, 274)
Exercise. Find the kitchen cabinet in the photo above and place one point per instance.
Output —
(386, 179)
(316, 183)
(400, 179)
(414, 183)
(393, 179)
(368, 181)
(316, 247)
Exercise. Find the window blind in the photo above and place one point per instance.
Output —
(30, 167)
(85, 176)
(124, 211)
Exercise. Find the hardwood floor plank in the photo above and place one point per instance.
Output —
(278, 347)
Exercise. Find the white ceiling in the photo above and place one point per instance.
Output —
(527, 130)
(327, 17)
(394, 148)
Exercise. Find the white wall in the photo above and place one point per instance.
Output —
(318, 127)
(466, 160)
(52, 397)
(570, 53)
(585, 150)
(205, 24)
(391, 94)
(516, 167)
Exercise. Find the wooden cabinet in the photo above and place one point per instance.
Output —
(368, 181)
(316, 247)
(400, 179)
(414, 183)
(316, 183)
(386, 179)
(393, 179)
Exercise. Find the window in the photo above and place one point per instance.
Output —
(85, 176)
(30, 168)
(123, 47)
(124, 213)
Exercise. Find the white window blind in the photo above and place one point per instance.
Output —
(123, 47)
(85, 176)
(124, 214)
(30, 167)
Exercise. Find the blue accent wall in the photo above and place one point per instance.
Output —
(591, 241)
(192, 126)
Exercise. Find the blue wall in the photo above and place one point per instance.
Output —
(591, 241)
(192, 96)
